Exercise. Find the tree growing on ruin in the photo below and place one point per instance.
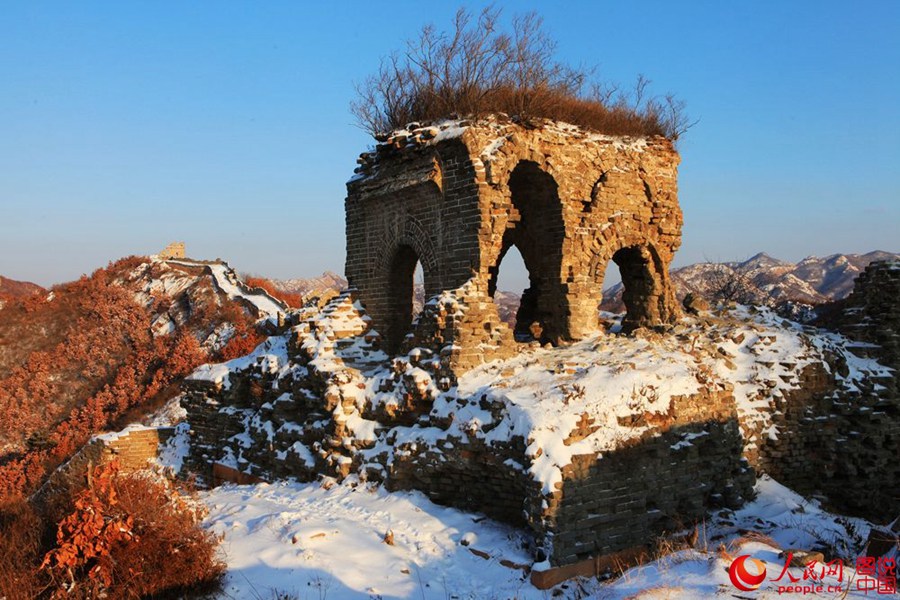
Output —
(478, 67)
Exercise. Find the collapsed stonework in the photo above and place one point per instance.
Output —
(598, 447)
(871, 314)
(458, 197)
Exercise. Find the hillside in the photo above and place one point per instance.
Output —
(108, 347)
(536, 414)
(10, 289)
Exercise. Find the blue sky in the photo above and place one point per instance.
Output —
(127, 125)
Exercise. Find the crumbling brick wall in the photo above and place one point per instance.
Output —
(844, 444)
(132, 449)
(457, 200)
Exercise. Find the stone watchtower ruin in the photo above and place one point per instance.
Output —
(457, 197)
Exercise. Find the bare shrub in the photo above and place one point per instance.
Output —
(477, 68)
(731, 284)
(131, 536)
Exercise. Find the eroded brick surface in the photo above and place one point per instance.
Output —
(457, 200)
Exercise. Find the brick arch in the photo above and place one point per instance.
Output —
(517, 154)
(644, 270)
(407, 231)
(535, 226)
(400, 248)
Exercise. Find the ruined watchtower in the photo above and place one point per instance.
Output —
(458, 196)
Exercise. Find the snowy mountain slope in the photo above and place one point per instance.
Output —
(763, 279)
(312, 286)
(109, 346)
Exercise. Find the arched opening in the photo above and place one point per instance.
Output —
(639, 269)
(400, 294)
(418, 291)
(536, 230)
(507, 286)
(612, 309)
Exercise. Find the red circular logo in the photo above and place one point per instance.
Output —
(743, 579)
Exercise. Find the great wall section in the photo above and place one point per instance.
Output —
(597, 438)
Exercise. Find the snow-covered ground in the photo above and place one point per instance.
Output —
(315, 541)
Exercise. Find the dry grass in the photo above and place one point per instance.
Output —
(753, 536)
(20, 551)
(173, 553)
(478, 68)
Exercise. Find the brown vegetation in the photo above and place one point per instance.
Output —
(10, 288)
(478, 69)
(85, 359)
(122, 536)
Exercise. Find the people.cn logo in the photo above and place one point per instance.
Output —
(743, 579)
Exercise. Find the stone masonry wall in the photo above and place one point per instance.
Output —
(661, 482)
(871, 313)
(843, 444)
(131, 449)
(676, 466)
(457, 200)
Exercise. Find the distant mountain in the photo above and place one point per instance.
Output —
(17, 289)
(325, 283)
(763, 279)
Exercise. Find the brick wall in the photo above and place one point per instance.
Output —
(132, 450)
(571, 203)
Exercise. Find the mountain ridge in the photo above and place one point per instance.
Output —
(759, 279)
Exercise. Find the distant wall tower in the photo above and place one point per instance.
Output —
(173, 250)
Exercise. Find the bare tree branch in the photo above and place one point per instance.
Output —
(478, 68)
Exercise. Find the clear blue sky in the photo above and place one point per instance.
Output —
(126, 125)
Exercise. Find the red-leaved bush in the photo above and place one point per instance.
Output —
(130, 536)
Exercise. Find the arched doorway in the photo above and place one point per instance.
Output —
(535, 229)
(641, 274)
(400, 294)
(512, 290)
